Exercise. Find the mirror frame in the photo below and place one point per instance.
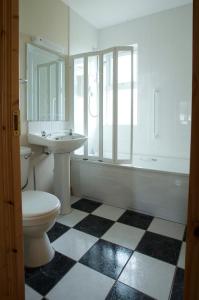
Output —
(66, 60)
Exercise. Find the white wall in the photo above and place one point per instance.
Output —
(164, 63)
(49, 19)
(164, 42)
(46, 18)
(83, 36)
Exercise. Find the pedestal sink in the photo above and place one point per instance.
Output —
(61, 144)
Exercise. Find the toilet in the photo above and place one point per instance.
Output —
(40, 210)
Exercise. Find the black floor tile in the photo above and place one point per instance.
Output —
(160, 247)
(43, 279)
(106, 258)
(135, 219)
(122, 291)
(94, 225)
(86, 205)
(56, 231)
(178, 286)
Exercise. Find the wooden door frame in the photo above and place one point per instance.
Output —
(11, 236)
(192, 252)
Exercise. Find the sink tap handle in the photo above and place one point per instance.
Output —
(43, 133)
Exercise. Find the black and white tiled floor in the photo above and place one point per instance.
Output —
(103, 252)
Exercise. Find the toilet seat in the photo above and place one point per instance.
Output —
(38, 207)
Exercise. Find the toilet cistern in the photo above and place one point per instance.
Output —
(61, 144)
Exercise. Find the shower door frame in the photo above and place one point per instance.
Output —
(100, 54)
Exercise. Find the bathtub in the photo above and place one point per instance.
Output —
(157, 193)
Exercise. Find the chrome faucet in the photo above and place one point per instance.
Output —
(70, 132)
(43, 133)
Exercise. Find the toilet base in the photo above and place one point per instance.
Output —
(38, 251)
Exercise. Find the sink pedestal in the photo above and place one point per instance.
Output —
(62, 180)
(61, 144)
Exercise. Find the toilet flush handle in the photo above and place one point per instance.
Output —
(28, 155)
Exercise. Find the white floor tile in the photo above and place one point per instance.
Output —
(124, 235)
(167, 228)
(73, 218)
(30, 294)
(74, 243)
(181, 260)
(109, 212)
(148, 275)
(81, 283)
(74, 199)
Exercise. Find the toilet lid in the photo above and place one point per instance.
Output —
(37, 203)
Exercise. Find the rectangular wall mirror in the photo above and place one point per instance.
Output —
(46, 99)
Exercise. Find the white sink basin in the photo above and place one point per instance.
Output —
(60, 142)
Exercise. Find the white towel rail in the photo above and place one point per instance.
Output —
(156, 113)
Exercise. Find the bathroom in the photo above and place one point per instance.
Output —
(124, 188)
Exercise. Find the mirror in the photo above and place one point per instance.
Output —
(46, 85)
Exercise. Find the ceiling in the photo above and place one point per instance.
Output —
(104, 13)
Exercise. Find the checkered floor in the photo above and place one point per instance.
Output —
(103, 252)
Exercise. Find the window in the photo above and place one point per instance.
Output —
(103, 103)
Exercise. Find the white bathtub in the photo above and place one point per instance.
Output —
(162, 163)
(157, 193)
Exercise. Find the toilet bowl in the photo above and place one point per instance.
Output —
(39, 210)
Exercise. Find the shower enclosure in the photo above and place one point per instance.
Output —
(103, 103)
(127, 120)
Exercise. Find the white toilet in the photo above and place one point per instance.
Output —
(40, 210)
